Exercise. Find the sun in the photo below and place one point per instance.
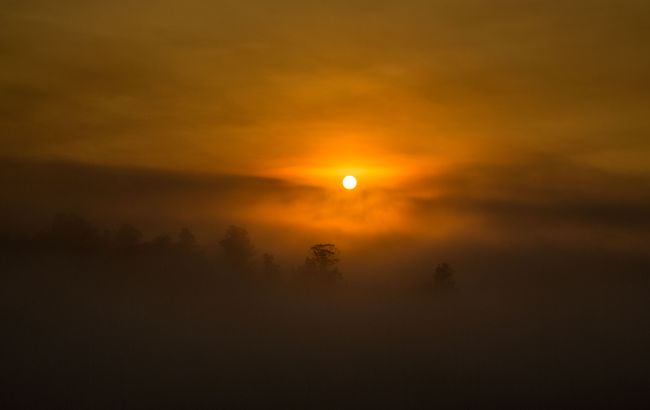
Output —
(349, 182)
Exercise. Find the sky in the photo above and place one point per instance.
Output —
(497, 121)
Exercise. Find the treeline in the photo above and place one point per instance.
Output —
(73, 253)
(73, 249)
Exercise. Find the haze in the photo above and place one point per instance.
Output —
(507, 139)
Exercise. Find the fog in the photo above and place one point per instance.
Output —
(108, 302)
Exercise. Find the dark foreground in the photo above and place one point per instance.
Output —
(305, 348)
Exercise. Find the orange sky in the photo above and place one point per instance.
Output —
(261, 87)
(452, 113)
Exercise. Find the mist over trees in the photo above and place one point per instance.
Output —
(321, 264)
(167, 320)
(443, 278)
(78, 253)
(238, 249)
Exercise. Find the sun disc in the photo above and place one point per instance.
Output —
(349, 182)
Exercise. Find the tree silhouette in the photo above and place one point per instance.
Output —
(443, 278)
(186, 241)
(322, 262)
(73, 233)
(270, 268)
(237, 247)
(127, 238)
(162, 243)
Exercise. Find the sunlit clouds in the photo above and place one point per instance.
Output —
(459, 119)
(254, 88)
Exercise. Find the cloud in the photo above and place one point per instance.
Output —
(541, 198)
(226, 86)
(535, 198)
(157, 199)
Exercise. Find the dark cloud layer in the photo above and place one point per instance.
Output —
(34, 191)
(546, 190)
